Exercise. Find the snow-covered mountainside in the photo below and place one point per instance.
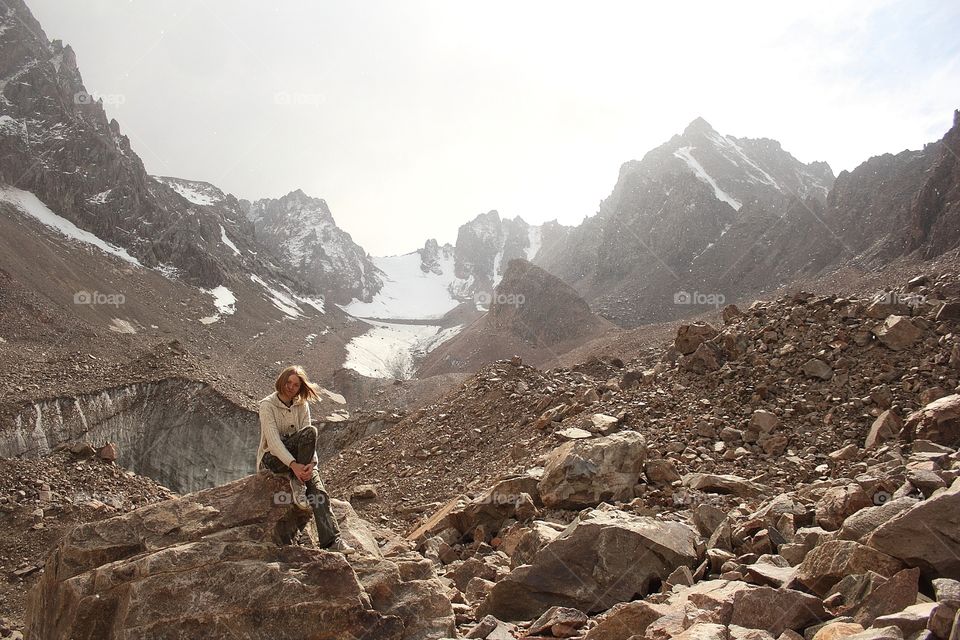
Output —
(429, 282)
(450, 285)
(417, 285)
(301, 231)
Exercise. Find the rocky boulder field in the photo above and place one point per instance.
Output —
(791, 472)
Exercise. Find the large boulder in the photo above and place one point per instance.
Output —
(706, 358)
(491, 508)
(898, 333)
(586, 472)
(840, 502)
(724, 484)
(829, 562)
(625, 620)
(602, 558)
(794, 610)
(407, 587)
(216, 563)
(864, 522)
(925, 535)
(691, 336)
(937, 422)
(816, 368)
(886, 427)
(736, 603)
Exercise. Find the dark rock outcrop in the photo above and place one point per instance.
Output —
(302, 232)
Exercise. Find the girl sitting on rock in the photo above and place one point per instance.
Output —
(288, 445)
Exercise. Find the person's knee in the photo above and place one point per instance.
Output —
(309, 432)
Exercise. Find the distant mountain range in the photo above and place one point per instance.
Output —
(704, 218)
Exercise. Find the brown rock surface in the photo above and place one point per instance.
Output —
(828, 563)
(584, 473)
(606, 557)
(926, 536)
(226, 547)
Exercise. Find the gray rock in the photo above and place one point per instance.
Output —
(586, 472)
(603, 558)
(926, 535)
(898, 332)
(815, 368)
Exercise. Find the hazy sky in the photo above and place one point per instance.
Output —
(411, 117)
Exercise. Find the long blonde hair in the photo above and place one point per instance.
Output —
(309, 391)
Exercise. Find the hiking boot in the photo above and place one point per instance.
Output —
(299, 492)
(342, 547)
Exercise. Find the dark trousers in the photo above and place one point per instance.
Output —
(303, 446)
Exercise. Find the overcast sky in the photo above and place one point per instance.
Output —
(411, 117)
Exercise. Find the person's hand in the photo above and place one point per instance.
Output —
(302, 471)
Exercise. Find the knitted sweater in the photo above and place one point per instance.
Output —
(277, 419)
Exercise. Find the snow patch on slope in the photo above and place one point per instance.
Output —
(535, 236)
(389, 350)
(226, 240)
(31, 205)
(408, 292)
(684, 154)
(286, 300)
(497, 275)
(282, 301)
(727, 146)
(223, 300)
(196, 192)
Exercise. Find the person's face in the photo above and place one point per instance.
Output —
(292, 386)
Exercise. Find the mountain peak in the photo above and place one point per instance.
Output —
(699, 125)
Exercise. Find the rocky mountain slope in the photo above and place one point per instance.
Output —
(935, 209)
(706, 219)
(59, 146)
(801, 457)
(301, 231)
(487, 244)
(531, 314)
(797, 458)
(669, 215)
(759, 360)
